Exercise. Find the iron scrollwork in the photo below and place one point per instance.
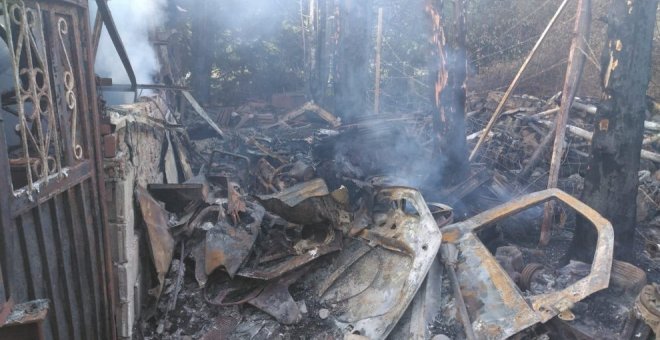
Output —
(70, 87)
(37, 120)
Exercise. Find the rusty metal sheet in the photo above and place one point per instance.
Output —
(177, 196)
(296, 194)
(368, 290)
(304, 203)
(228, 245)
(161, 241)
(501, 309)
(276, 300)
(293, 263)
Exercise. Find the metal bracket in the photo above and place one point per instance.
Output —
(502, 310)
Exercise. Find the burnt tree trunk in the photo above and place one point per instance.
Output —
(200, 50)
(352, 69)
(448, 70)
(611, 180)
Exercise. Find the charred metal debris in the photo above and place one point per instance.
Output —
(297, 225)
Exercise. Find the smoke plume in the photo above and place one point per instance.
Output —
(134, 20)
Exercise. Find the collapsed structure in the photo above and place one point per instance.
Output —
(165, 219)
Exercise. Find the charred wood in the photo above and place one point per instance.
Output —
(611, 181)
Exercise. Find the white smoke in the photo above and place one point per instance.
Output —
(134, 20)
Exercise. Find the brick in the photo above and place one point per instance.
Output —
(126, 319)
(127, 275)
(119, 198)
(110, 146)
(118, 242)
(121, 271)
(106, 129)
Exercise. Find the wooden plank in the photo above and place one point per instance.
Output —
(202, 113)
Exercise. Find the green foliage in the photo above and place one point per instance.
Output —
(257, 49)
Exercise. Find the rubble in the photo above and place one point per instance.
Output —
(482, 278)
(25, 320)
(161, 241)
(318, 236)
(300, 223)
(646, 307)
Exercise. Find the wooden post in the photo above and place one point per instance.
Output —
(310, 58)
(515, 81)
(352, 83)
(573, 73)
(379, 43)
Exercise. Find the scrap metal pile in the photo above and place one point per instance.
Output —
(520, 143)
(299, 226)
(519, 148)
(259, 219)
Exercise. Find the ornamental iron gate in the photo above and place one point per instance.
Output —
(53, 238)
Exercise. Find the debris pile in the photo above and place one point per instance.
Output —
(259, 226)
(520, 144)
(299, 225)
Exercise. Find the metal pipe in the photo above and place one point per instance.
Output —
(449, 254)
(96, 33)
(117, 42)
(514, 83)
(130, 88)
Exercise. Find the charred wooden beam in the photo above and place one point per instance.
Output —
(449, 71)
(611, 181)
